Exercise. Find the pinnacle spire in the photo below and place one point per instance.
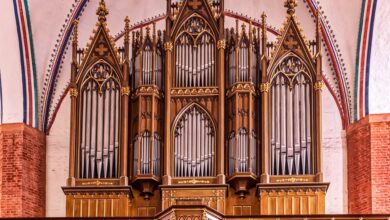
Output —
(290, 5)
(102, 11)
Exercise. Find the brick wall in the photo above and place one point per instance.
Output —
(368, 142)
(22, 171)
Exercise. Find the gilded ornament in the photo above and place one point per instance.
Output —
(168, 46)
(264, 87)
(221, 44)
(292, 180)
(318, 85)
(194, 181)
(73, 92)
(98, 183)
(125, 90)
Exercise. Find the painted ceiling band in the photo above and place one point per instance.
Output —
(27, 62)
(368, 62)
(357, 65)
(336, 63)
(55, 64)
(34, 68)
(22, 65)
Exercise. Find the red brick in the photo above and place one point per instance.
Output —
(22, 171)
(368, 142)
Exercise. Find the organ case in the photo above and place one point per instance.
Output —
(146, 117)
(242, 107)
(291, 123)
(98, 180)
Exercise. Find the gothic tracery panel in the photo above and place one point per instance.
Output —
(195, 55)
(242, 55)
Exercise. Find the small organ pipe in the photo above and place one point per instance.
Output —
(308, 128)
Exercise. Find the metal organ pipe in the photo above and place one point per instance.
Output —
(308, 126)
(302, 107)
(111, 128)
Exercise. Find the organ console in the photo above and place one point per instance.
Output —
(196, 114)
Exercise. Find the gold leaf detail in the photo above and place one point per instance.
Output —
(168, 46)
(318, 85)
(73, 92)
(264, 87)
(125, 90)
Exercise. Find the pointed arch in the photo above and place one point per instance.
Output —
(195, 54)
(297, 61)
(194, 141)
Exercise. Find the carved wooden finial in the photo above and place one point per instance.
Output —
(264, 33)
(127, 28)
(243, 28)
(75, 31)
(318, 31)
(127, 23)
(102, 11)
(264, 21)
(147, 31)
(290, 5)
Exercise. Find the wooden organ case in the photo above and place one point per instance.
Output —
(291, 176)
(194, 105)
(196, 116)
(98, 162)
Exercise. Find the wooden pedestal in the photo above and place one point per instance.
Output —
(97, 201)
(292, 198)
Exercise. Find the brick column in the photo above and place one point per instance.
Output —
(368, 142)
(22, 171)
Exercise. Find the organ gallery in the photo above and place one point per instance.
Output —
(199, 119)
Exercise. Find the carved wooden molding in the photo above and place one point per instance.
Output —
(194, 92)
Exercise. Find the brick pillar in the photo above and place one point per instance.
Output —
(22, 171)
(368, 142)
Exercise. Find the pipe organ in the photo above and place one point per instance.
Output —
(175, 117)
